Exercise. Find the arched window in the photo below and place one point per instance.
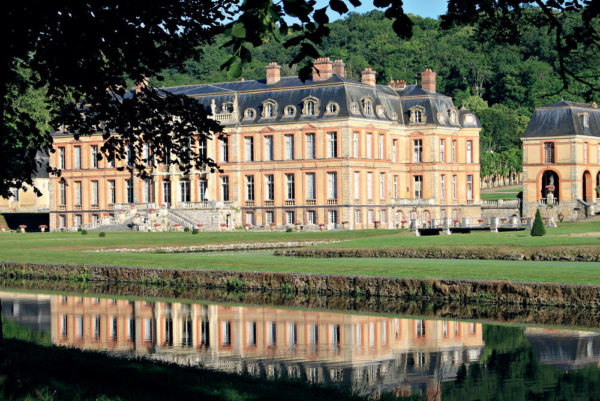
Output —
(452, 117)
(289, 111)
(368, 107)
(417, 116)
(332, 108)
(310, 108)
(355, 108)
(227, 107)
(249, 114)
(269, 109)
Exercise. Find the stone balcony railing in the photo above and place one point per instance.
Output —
(413, 202)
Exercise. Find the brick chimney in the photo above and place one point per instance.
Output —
(322, 68)
(273, 73)
(428, 80)
(368, 76)
(339, 68)
(399, 85)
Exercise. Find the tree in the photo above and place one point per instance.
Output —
(538, 229)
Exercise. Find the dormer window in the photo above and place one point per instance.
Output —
(354, 108)
(310, 107)
(368, 107)
(269, 109)
(584, 119)
(417, 115)
(289, 111)
(249, 114)
(469, 119)
(332, 108)
(452, 117)
(227, 107)
(380, 111)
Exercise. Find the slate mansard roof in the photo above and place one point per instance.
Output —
(291, 91)
(564, 118)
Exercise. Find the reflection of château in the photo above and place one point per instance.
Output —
(569, 349)
(370, 352)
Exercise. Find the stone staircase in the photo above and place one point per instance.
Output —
(209, 218)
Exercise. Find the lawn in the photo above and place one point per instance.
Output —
(501, 193)
(71, 248)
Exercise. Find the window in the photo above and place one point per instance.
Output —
(251, 334)
(310, 146)
(332, 108)
(225, 188)
(453, 151)
(357, 217)
(184, 191)
(269, 217)
(62, 221)
(269, 148)
(289, 111)
(249, 114)
(548, 152)
(368, 107)
(129, 188)
(250, 188)
(370, 186)
(443, 187)
(269, 110)
(61, 158)
(417, 116)
(292, 334)
(383, 215)
(395, 151)
(382, 186)
(369, 145)
(311, 217)
(147, 191)
(584, 118)
(585, 152)
(250, 218)
(291, 190)
(454, 187)
(310, 186)
(331, 144)
(442, 151)
(226, 335)
(332, 186)
(289, 147)
(94, 156)
(417, 151)
(166, 192)
(95, 192)
(202, 148)
(145, 154)
(77, 220)
(356, 185)
(77, 190)
(249, 148)
(129, 155)
(354, 108)
(382, 146)
(77, 157)
(225, 150)
(289, 217)
(310, 108)
(469, 187)
(203, 189)
(469, 151)
(370, 216)
(111, 160)
(111, 192)
(418, 186)
(380, 111)
(395, 184)
(453, 117)
(332, 215)
(62, 193)
(270, 187)
(420, 329)
(355, 144)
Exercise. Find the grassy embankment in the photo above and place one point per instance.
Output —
(501, 193)
(70, 248)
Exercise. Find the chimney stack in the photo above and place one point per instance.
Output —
(273, 73)
(339, 68)
(400, 85)
(368, 76)
(428, 80)
(322, 68)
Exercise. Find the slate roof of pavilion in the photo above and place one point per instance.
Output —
(563, 119)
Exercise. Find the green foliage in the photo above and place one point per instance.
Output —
(538, 229)
(84, 232)
(186, 229)
(102, 234)
(289, 230)
(79, 229)
(195, 231)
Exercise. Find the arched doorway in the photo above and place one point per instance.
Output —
(588, 189)
(549, 185)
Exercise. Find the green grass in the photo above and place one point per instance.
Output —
(69, 248)
(499, 195)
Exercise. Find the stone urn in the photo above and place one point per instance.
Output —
(223, 227)
(157, 227)
(178, 227)
(43, 228)
(345, 225)
(272, 226)
(322, 227)
(199, 227)
(297, 226)
(3, 229)
(22, 228)
(246, 227)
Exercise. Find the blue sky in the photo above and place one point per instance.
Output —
(424, 8)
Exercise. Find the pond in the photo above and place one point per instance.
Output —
(370, 353)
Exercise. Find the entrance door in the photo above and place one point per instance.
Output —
(588, 190)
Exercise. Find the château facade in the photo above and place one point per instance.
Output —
(329, 151)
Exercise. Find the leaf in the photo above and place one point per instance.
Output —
(339, 6)
(238, 30)
(235, 70)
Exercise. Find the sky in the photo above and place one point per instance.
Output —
(424, 8)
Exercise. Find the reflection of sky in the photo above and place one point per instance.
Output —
(424, 8)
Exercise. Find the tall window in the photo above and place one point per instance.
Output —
(184, 191)
(250, 188)
(112, 195)
(291, 189)
(269, 148)
(395, 186)
(310, 146)
(203, 189)
(369, 145)
(395, 151)
(443, 187)
(129, 187)
(289, 147)
(454, 187)
(331, 144)
(382, 146)
(469, 151)
(417, 116)
(268, 110)
(311, 217)
(129, 155)
(355, 144)
(418, 186)
(166, 192)
(147, 190)
(249, 148)
(453, 151)
(420, 328)
(332, 217)
(585, 152)
(269, 217)
(469, 187)
(356, 185)
(224, 150)
(270, 187)
(381, 185)
(94, 156)
(310, 186)
(77, 157)
(61, 158)
(145, 154)
(225, 188)
(77, 190)
(548, 152)
(62, 188)
(250, 218)
(368, 108)
(332, 186)
(417, 151)
(202, 148)
(309, 108)
(95, 192)
(370, 186)
(289, 217)
(442, 150)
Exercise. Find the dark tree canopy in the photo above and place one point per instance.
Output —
(67, 64)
